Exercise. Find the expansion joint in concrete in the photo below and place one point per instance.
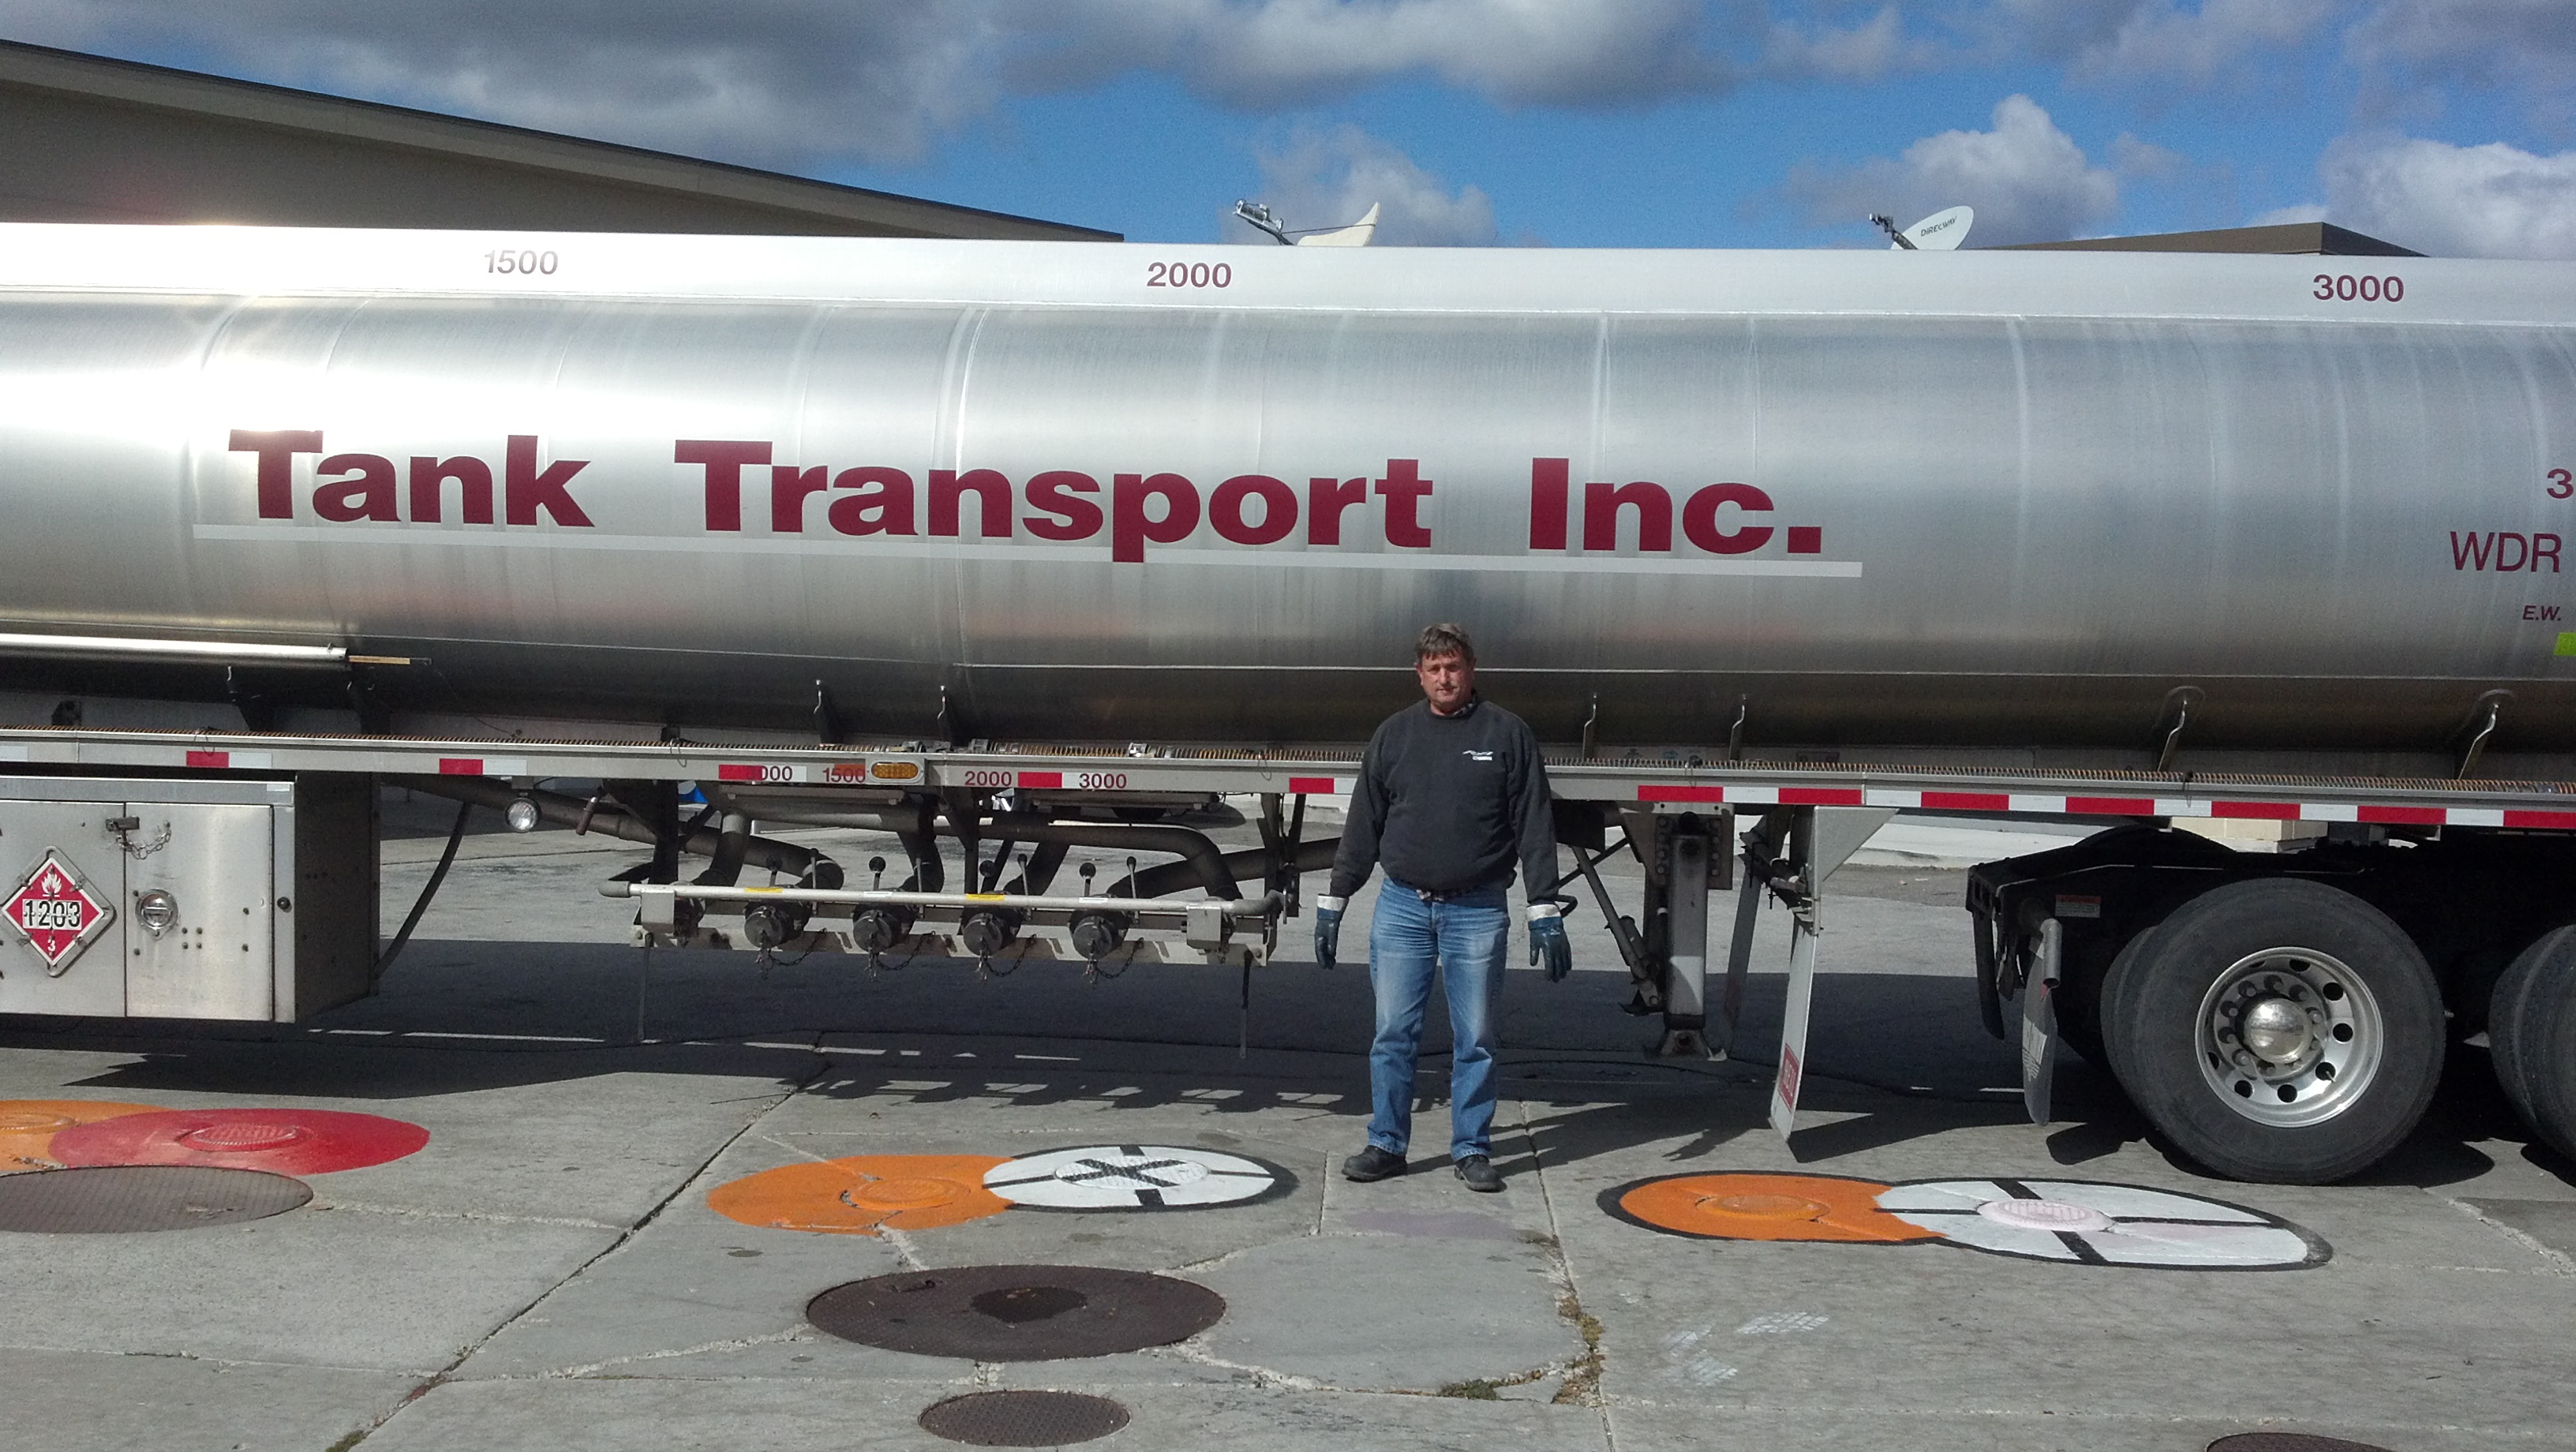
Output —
(1583, 1375)
(624, 1238)
(2559, 1263)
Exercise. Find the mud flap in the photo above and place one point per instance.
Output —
(1793, 1028)
(2039, 1041)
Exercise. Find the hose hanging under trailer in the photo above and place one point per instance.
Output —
(437, 875)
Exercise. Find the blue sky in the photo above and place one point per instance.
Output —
(2447, 125)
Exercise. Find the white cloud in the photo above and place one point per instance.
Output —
(778, 83)
(801, 83)
(2028, 181)
(1326, 179)
(1261, 54)
(2525, 46)
(1867, 51)
(2144, 160)
(2162, 41)
(2454, 201)
(2141, 41)
(2294, 213)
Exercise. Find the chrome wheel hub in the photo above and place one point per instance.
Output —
(2289, 1036)
(2275, 1030)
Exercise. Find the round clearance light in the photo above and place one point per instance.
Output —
(156, 910)
(522, 815)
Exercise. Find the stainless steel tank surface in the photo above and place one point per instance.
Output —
(1211, 492)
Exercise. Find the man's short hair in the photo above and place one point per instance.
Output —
(1444, 639)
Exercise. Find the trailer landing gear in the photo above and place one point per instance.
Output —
(1787, 855)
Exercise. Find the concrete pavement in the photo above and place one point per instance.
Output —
(547, 1272)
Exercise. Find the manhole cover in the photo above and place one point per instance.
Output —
(1135, 1177)
(863, 1194)
(113, 1199)
(2053, 1216)
(281, 1141)
(1762, 1207)
(28, 1127)
(1023, 1418)
(1016, 1312)
(2286, 1442)
(2098, 1224)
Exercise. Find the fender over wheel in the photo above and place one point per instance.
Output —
(2277, 1029)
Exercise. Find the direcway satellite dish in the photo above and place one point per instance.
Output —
(1940, 232)
(1355, 235)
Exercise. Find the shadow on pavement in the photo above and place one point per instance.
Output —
(1893, 1056)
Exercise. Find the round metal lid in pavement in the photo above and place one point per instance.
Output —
(1023, 1418)
(1136, 1177)
(2288, 1442)
(114, 1199)
(1016, 1312)
(1762, 1206)
(283, 1141)
(2098, 1224)
(864, 1194)
(28, 1127)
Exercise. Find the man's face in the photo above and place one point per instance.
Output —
(1447, 680)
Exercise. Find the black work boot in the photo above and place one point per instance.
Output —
(1372, 1163)
(1480, 1174)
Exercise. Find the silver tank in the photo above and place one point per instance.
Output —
(2013, 500)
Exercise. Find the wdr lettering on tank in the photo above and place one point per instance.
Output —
(2504, 552)
(1065, 505)
(352, 487)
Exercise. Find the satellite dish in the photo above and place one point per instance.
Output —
(1259, 216)
(1940, 232)
(1356, 234)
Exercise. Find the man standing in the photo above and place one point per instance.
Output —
(1449, 793)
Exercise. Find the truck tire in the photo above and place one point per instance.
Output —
(2103, 1049)
(2110, 1006)
(2551, 956)
(2534, 1038)
(2277, 1030)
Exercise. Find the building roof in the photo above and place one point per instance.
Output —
(99, 140)
(2316, 239)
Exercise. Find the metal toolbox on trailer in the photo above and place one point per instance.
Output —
(143, 898)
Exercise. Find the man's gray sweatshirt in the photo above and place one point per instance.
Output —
(1445, 802)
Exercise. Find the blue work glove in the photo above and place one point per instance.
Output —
(1328, 929)
(1548, 943)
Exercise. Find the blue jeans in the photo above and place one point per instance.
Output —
(1462, 939)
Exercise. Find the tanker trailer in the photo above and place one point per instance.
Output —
(1010, 543)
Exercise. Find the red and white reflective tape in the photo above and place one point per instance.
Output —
(225, 760)
(2105, 806)
(755, 772)
(483, 766)
(1321, 786)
